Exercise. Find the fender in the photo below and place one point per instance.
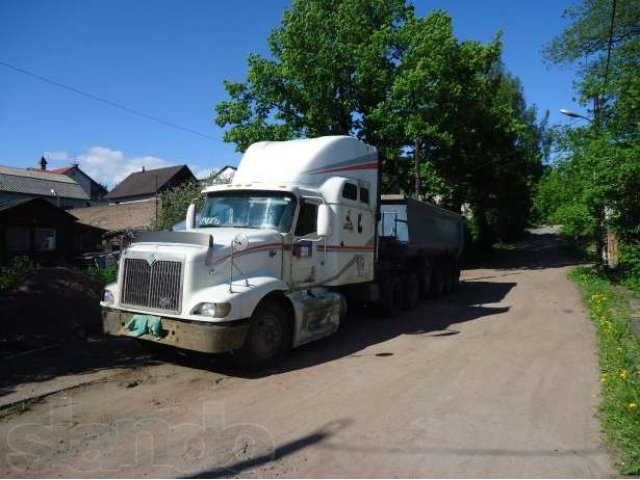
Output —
(244, 296)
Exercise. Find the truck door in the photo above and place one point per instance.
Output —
(306, 262)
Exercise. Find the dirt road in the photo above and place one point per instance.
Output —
(498, 380)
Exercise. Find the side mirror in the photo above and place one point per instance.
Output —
(324, 221)
(190, 221)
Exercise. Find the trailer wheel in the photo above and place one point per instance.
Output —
(393, 296)
(455, 276)
(268, 339)
(437, 281)
(424, 279)
(447, 276)
(411, 291)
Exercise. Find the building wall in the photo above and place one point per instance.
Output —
(87, 184)
(81, 179)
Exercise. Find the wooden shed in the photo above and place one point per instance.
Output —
(44, 232)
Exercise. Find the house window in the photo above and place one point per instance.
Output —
(350, 191)
(17, 239)
(44, 239)
(307, 219)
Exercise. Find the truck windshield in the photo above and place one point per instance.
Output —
(248, 210)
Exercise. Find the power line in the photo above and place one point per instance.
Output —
(106, 101)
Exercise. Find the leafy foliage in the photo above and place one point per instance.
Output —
(372, 69)
(174, 202)
(104, 275)
(17, 269)
(630, 265)
(597, 176)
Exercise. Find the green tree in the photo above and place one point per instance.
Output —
(332, 63)
(599, 164)
(371, 69)
(174, 202)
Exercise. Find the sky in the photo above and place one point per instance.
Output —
(167, 59)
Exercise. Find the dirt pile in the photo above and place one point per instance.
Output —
(54, 303)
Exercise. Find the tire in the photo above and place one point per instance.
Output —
(455, 276)
(424, 279)
(437, 282)
(393, 296)
(447, 275)
(268, 338)
(411, 291)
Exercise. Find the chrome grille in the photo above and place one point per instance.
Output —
(157, 286)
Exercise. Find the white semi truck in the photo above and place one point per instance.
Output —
(278, 254)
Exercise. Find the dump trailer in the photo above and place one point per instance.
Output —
(276, 256)
(420, 246)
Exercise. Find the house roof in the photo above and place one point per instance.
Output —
(61, 171)
(147, 182)
(69, 171)
(134, 216)
(226, 172)
(40, 183)
(10, 205)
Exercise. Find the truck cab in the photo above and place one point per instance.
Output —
(259, 271)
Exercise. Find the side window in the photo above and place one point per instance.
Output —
(364, 195)
(307, 219)
(350, 191)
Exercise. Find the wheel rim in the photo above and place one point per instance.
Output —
(267, 336)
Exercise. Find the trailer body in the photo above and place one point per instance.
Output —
(418, 228)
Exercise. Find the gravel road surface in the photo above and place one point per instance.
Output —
(499, 379)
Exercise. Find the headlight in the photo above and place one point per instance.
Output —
(217, 310)
(107, 296)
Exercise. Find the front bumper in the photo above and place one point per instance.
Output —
(198, 336)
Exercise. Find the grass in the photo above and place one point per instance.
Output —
(619, 352)
(18, 408)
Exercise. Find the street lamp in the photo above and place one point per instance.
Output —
(572, 114)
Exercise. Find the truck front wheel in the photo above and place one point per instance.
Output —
(268, 338)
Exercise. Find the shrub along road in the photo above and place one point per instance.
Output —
(498, 380)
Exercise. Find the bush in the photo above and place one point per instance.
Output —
(104, 275)
(15, 271)
(630, 265)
